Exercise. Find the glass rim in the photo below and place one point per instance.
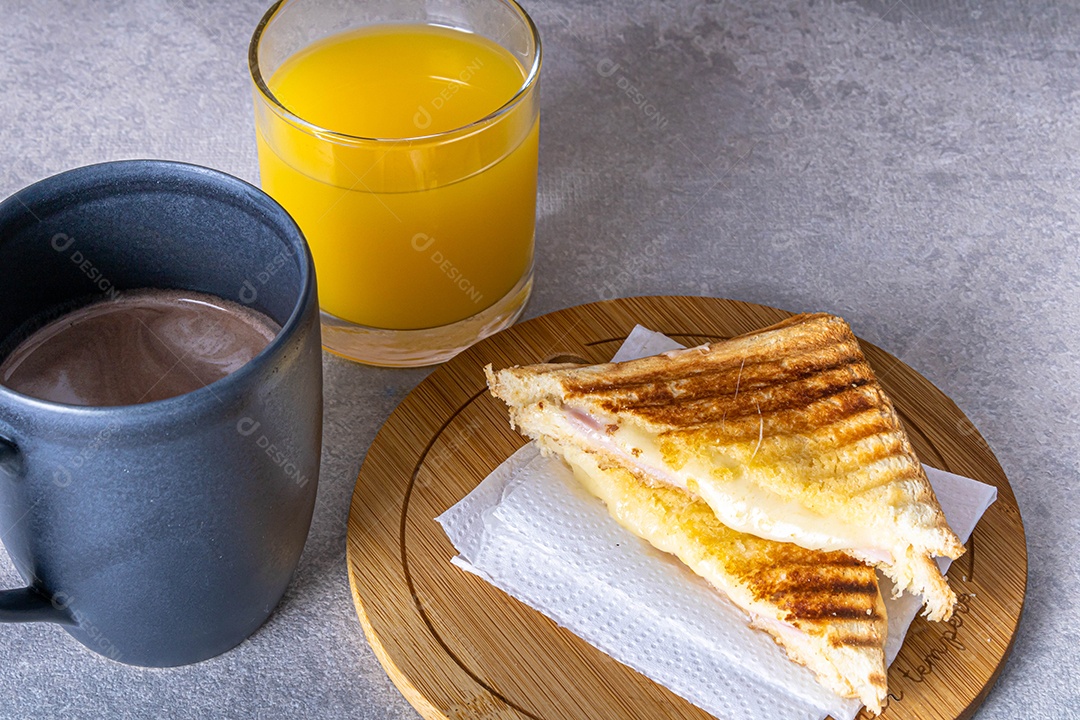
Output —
(527, 84)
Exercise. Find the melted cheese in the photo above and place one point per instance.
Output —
(737, 501)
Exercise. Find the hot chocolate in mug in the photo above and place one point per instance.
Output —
(164, 532)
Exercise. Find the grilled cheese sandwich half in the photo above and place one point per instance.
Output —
(785, 433)
(824, 609)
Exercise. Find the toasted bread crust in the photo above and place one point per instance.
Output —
(796, 407)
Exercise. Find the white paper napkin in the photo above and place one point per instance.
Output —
(532, 531)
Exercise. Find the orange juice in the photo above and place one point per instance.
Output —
(418, 205)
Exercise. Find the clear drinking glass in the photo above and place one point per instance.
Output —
(402, 137)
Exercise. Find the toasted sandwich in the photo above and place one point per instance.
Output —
(785, 433)
(824, 609)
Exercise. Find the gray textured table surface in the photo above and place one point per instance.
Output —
(911, 167)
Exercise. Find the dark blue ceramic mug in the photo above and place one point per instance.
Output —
(164, 533)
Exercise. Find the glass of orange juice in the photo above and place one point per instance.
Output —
(402, 137)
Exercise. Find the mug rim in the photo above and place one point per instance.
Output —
(205, 178)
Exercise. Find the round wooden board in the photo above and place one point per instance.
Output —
(459, 648)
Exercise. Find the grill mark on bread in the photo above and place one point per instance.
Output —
(816, 558)
(845, 414)
(856, 587)
(812, 608)
(656, 388)
(808, 406)
(814, 342)
(850, 640)
(822, 581)
(908, 471)
(817, 383)
(840, 432)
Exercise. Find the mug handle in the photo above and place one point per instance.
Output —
(10, 460)
(28, 604)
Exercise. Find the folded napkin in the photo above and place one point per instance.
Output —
(532, 531)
